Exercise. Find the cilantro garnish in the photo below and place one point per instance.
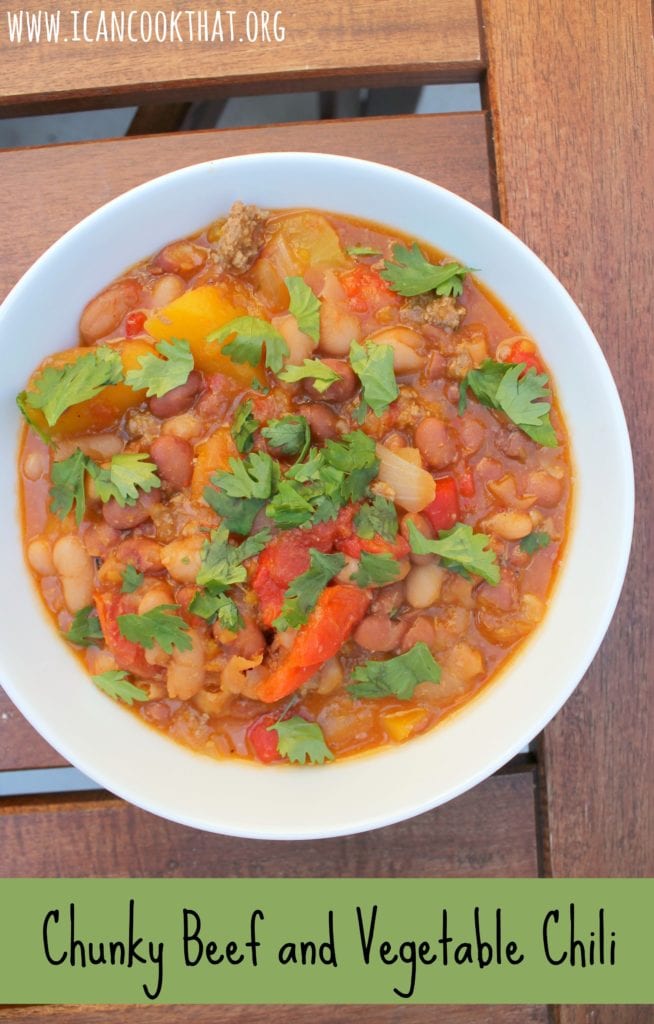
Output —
(355, 456)
(379, 569)
(377, 519)
(57, 388)
(502, 386)
(412, 274)
(116, 685)
(305, 307)
(396, 677)
(160, 376)
(373, 365)
(303, 593)
(244, 427)
(132, 580)
(68, 485)
(533, 541)
(301, 741)
(313, 369)
(253, 477)
(22, 403)
(222, 562)
(252, 334)
(160, 625)
(125, 475)
(85, 628)
(291, 505)
(459, 549)
(289, 435)
(218, 607)
(237, 514)
(362, 250)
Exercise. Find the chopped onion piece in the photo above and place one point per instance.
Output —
(413, 487)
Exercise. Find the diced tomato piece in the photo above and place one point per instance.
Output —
(128, 655)
(134, 323)
(262, 741)
(467, 484)
(337, 614)
(354, 545)
(285, 558)
(443, 511)
(522, 352)
(367, 291)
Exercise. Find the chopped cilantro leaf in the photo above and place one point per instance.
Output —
(299, 741)
(305, 307)
(117, 686)
(379, 569)
(302, 594)
(355, 456)
(373, 365)
(244, 427)
(160, 625)
(85, 628)
(218, 607)
(377, 519)
(222, 562)
(125, 475)
(58, 387)
(459, 549)
(411, 274)
(252, 334)
(22, 403)
(289, 435)
(68, 485)
(533, 541)
(237, 514)
(291, 506)
(256, 476)
(502, 386)
(362, 250)
(313, 369)
(160, 376)
(132, 580)
(396, 677)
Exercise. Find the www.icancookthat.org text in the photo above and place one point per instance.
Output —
(138, 26)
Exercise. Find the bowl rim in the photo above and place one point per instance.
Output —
(469, 778)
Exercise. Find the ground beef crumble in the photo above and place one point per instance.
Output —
(241, 238)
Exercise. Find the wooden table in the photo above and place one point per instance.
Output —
(561, 153)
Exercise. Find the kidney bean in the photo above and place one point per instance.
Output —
(143, 553)
(184, 258)
(435, 443)
(174, 459)
(131, 515)
(103, 314)
(321, 419)
(388, 599)
(249, 642)
(341, 390)
(421, 631)
(380, 633)
(179, 399)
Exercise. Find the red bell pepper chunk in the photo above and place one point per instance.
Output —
(443, 511)
(354, 545)
(128, 655)
(134, 323)
(262, 740)
(367, 291)
(338, 612)
(521, 352)
(285, 558)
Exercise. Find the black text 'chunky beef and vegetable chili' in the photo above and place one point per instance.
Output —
(299, 491)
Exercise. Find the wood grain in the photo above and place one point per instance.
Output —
(277, 1014)
(325, 46)
(569, 87)
(487, 832)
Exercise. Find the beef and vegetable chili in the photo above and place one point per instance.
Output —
(300, 489)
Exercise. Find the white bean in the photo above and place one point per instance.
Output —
(75, 569)
(338, 328)
(423, 585)
(167, 288)
(185, 674)
(35, 465)
(300, 345)
(509, 525)
(157, 595)
(182, 558)
(404, 342)
(39, 556)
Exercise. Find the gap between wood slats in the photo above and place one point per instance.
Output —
(486, 832)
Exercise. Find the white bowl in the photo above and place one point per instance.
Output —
(234, 797)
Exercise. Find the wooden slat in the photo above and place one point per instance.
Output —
(487, 832)
(569, 88)
(277, 1014)
(326, 46)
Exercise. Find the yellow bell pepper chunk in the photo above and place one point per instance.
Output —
(107, 407)
(401, 724)
(193, 316)
(212, 454)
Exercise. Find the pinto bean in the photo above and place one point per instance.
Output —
(131, 515)
(338, 327)
(388, 599)
(103, 314)
(178, 400)
(174, 459)
(435, 442)
(182, 558)
(509, 525)
(166, 289)
(143, 553)
(74, 566)
(421, 631)
(300, 345)
(341, 390)
(321, 419)
(184, 258)
(380, 633)
(547, 488)
(248, 643)
(185, 674)
(422, 524)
